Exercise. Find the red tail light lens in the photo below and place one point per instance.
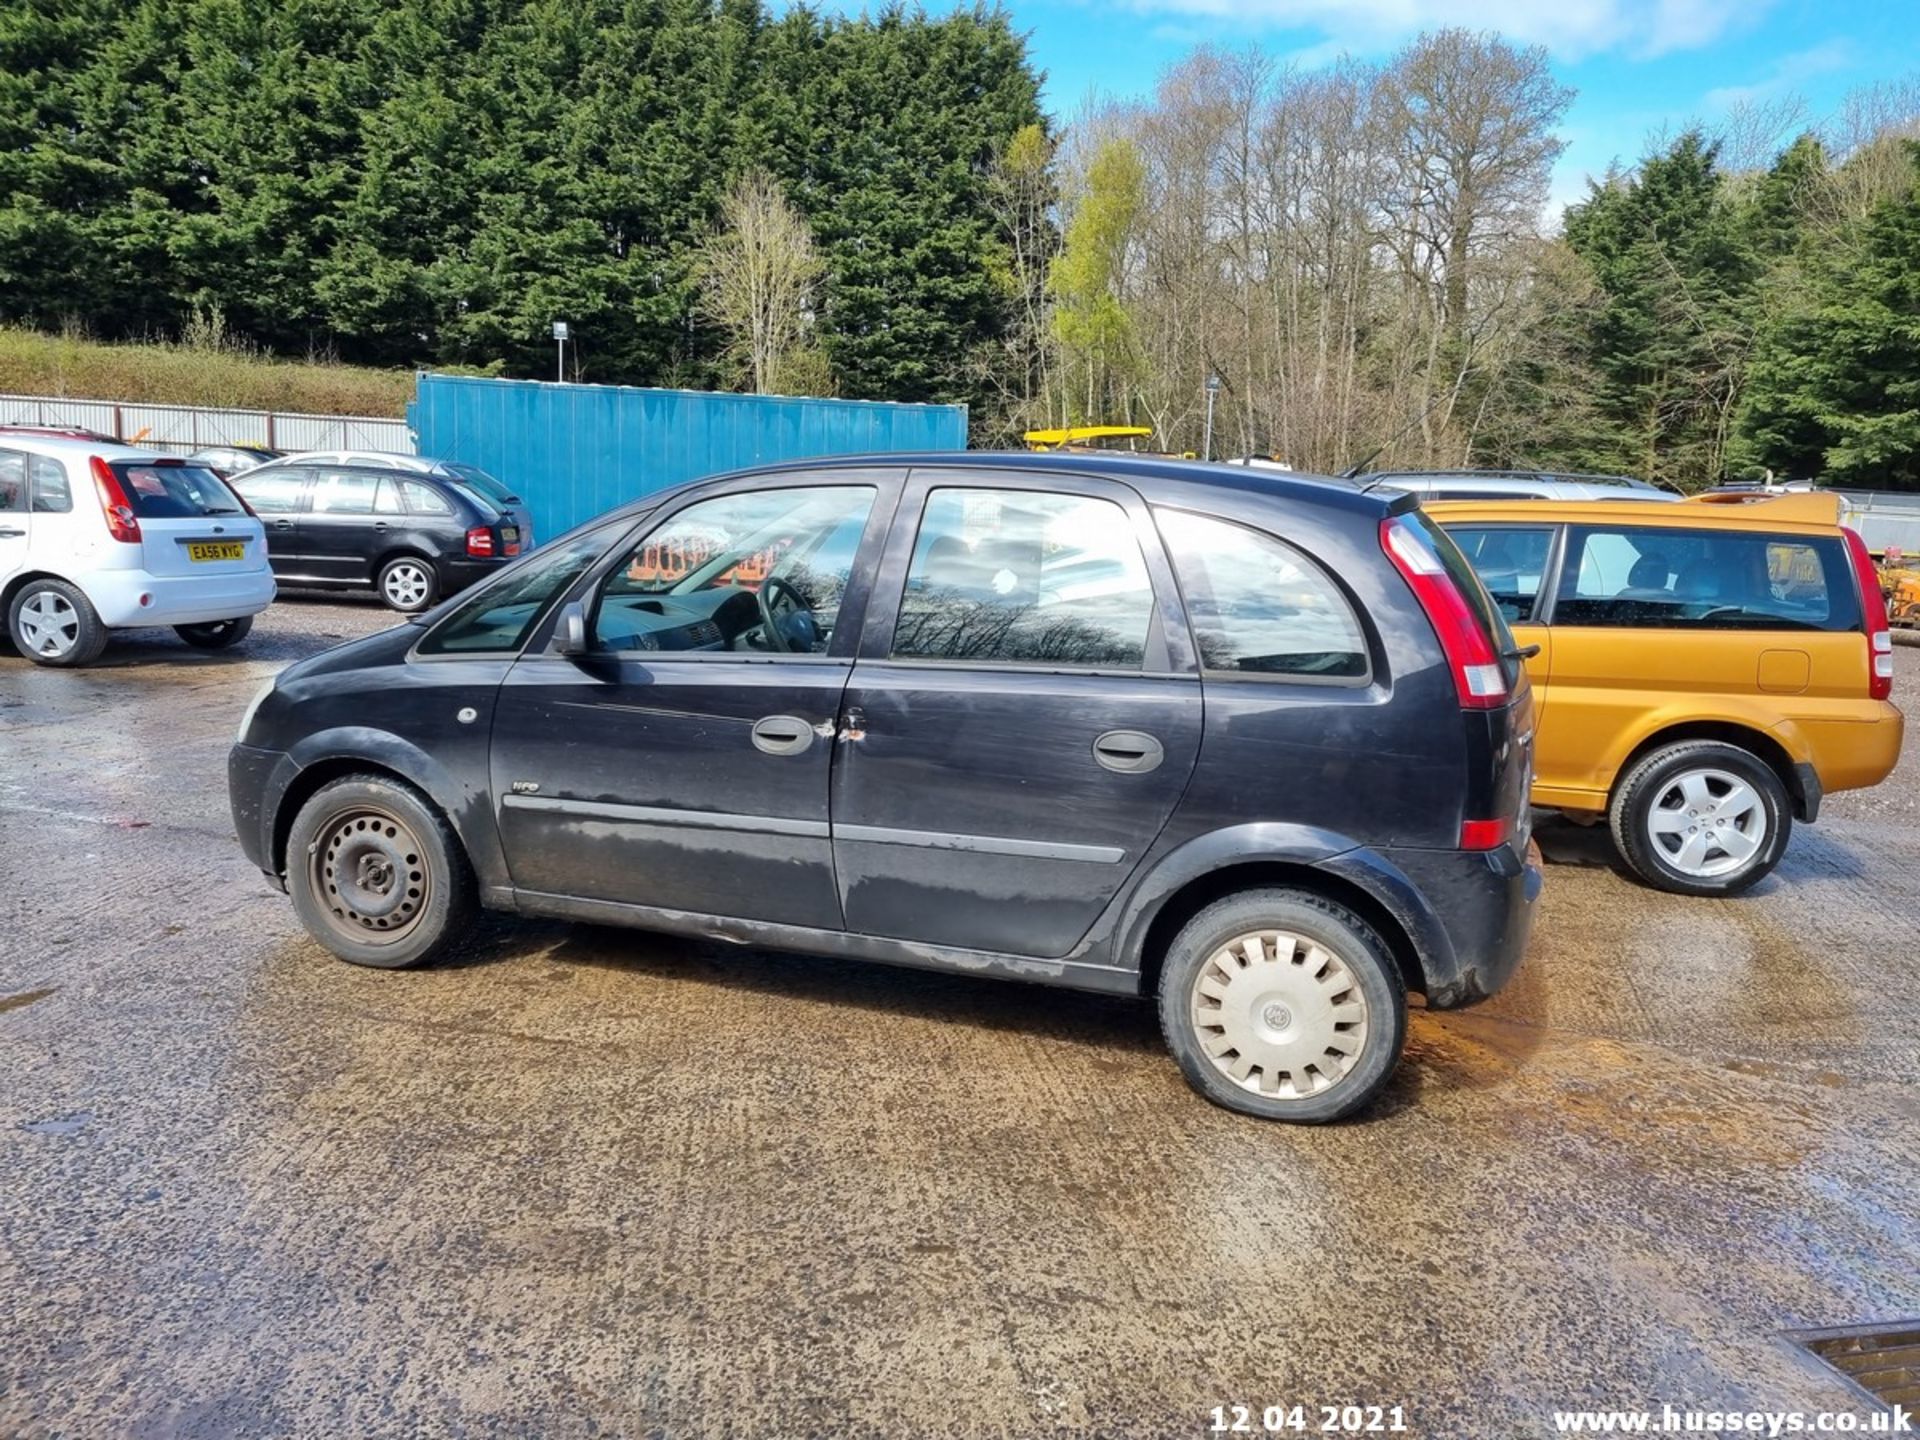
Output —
(1873, 614)
(122, 524)
(1484, 834)
(1477, 673)
(480, 543)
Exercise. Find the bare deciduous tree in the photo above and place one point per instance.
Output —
(757, 282)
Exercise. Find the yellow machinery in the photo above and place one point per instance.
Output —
(1085, 437)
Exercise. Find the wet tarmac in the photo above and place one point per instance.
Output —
(596, 1183)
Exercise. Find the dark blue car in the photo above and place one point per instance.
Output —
(1254, 745)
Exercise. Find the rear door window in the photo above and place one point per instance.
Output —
(1671, 578)
(1023, 577)
(1510, 561)
(354, 492)
(1258, 606)
(174, 492)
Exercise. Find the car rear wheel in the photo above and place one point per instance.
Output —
(1284, 1005)
(1701, 818)
(53, 623)
(407, 584)
(377, 875)
(216, 634)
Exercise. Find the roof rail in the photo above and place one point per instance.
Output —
(1813, 507)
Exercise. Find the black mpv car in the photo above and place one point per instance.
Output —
(413, 530)
(1258, 746)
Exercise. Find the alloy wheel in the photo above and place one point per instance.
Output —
(371, 873)
(406, 585)
(49, 625)
(1707, 823)
(1280, 1014)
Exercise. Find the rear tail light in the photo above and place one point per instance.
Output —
(1478, 676)
(122, 524)
(1873, 614)
(480, 543)
(1485, 834)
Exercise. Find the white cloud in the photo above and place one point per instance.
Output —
(1784, 75)
(1571, 29)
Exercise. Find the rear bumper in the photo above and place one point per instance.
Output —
(457, 572)
(176, 599)
(1469, 913)
(1851, 754)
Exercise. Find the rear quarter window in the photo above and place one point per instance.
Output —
(1260, 607)
(1675, 578)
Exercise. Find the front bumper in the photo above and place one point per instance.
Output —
(256, 779)
(176, 599)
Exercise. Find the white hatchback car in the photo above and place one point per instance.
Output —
(98, 536)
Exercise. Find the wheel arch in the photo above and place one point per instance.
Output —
(402, 550)
(16, 583)
(1172, 913)
(1763, 744)
(329, 755)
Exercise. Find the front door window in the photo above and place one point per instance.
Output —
(762, 572)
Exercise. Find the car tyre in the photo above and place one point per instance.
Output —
(216, 634)
(407, 583)
(53, 623)
(1283, 1004)
(378, 876)
(1676, 813)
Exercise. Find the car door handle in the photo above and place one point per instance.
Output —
(784, 734)
(1129, 752)
(283, 524)
(11, 534)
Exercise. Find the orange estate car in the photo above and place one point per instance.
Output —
(1706, 671)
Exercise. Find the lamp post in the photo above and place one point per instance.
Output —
(1213, 389)
(560, 358)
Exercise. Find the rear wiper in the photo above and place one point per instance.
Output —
(1521, 652)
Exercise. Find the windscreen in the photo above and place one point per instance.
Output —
(174, 492)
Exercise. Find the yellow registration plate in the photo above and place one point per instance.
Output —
(201, 550)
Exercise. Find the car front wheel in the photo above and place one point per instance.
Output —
(407, 584)
(1701, 818)
(1283, 1004)
(377, 874)
(216, 634)
(53, 623)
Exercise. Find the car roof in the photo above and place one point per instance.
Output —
(73, 447)
(1801, 511)
(1160, 479)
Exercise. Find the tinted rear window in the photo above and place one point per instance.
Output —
(174, 492)
(1670, 578)
(477, 479)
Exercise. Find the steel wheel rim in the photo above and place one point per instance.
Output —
(1279, 1014)
(371, 876)
(406, 584)
(1708, 823)
(49, 625)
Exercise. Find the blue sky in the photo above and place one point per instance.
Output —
(1639, 65)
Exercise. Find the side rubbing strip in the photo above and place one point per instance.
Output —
(664, 815)
(981, 844)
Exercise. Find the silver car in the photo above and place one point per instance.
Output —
(1514, 485)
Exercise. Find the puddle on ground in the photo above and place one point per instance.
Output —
(63, 1125)
(24, 998)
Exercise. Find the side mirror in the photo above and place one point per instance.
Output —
(570, 635)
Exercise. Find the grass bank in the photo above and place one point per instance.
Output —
(209, 370)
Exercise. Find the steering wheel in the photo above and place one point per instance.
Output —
(774, 587)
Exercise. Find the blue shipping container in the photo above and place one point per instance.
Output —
(573, 451)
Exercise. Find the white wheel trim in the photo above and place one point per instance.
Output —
(49, 625)
(406, 583)
(1708, 823)
(1279, 1015)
